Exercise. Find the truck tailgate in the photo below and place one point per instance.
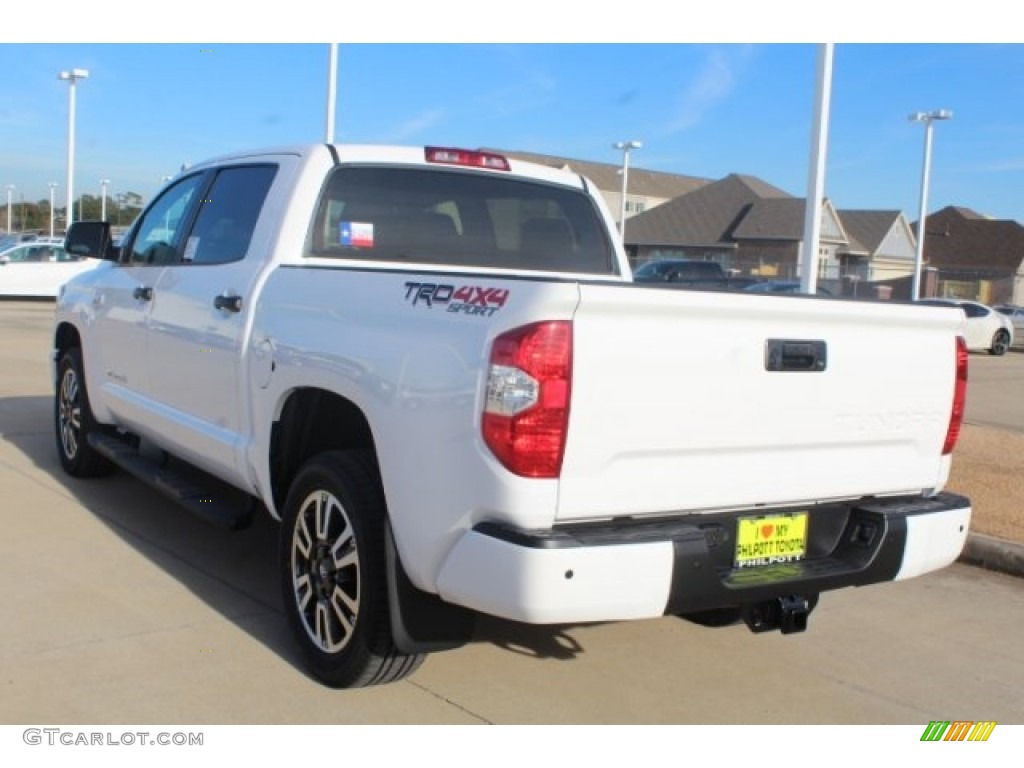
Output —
(691, 401)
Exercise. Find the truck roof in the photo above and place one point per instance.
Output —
(404, 155)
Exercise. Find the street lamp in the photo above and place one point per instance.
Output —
(625, 146)
(53, 187)
(72, 76)
(103, 199)
(10, 191)
(927, 118)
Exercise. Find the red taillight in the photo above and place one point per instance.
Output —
(956, 416)
(526, 412)
(474, 159)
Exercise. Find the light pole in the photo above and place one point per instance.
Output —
(927, 118)
(103, 199)
(53, 187)
(72, 76)
(10, 191)
(625, 146)
(332, 89)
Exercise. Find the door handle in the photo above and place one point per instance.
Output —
(143, 293)
(228, 303)
(809, 355)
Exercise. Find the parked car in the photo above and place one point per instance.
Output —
(11, 239)
(1016, 315)
(986, 329)
(783, 286)
(38, 269)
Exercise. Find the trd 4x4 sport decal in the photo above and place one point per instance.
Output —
(467, 299)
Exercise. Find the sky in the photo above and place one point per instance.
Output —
(703, 103)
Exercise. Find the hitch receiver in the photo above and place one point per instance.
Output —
(787, 614)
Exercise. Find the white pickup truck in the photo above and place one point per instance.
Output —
(433, 367)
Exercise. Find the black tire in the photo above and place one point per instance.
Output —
(333, 576)
(73, 420)
(1000, 342)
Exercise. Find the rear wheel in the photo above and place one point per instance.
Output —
(333, 574)
(73, 420)
(1000, 342)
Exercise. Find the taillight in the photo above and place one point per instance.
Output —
(526, 413)
(956, 416)
(472, 158)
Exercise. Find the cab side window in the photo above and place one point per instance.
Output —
(228, 215)
(158, 236)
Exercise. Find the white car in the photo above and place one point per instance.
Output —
(985, 329)
(38, 269)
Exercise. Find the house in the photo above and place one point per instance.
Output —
(753, 228)
(646, 189)
(698, 224)
(882, 246)
(975, 257)
(748, 225)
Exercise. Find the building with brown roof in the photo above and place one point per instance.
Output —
(882, 245)
(975, 257)
(753, 228)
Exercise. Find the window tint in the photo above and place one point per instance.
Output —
(451, 217)
(228, 215)
(159, 232)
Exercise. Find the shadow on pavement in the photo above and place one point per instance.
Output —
(235, 573)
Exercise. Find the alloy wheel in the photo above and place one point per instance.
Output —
(325, 571)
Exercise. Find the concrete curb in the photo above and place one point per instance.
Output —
(994, 554)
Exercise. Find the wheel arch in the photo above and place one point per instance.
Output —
(65, 337)
(311, 420)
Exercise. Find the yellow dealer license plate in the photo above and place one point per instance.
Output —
(771, 539)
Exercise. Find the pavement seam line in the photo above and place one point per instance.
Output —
(446, 700)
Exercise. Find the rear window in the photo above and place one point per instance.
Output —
(458, 218)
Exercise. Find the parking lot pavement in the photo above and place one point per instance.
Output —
(992, 476)
(994, 390)
(119, 608)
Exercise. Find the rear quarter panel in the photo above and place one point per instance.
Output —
(416, 369)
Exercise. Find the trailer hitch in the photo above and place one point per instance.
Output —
(787, 614)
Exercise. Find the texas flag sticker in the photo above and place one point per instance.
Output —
(356, 233)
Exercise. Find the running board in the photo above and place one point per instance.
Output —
(198, 500)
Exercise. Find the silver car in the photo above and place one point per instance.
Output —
(1016, 315)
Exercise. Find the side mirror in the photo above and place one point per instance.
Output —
(4, 260)
(91, 239)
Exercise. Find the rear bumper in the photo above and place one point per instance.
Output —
(642, 569)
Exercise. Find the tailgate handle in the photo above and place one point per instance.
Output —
(795, 355)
